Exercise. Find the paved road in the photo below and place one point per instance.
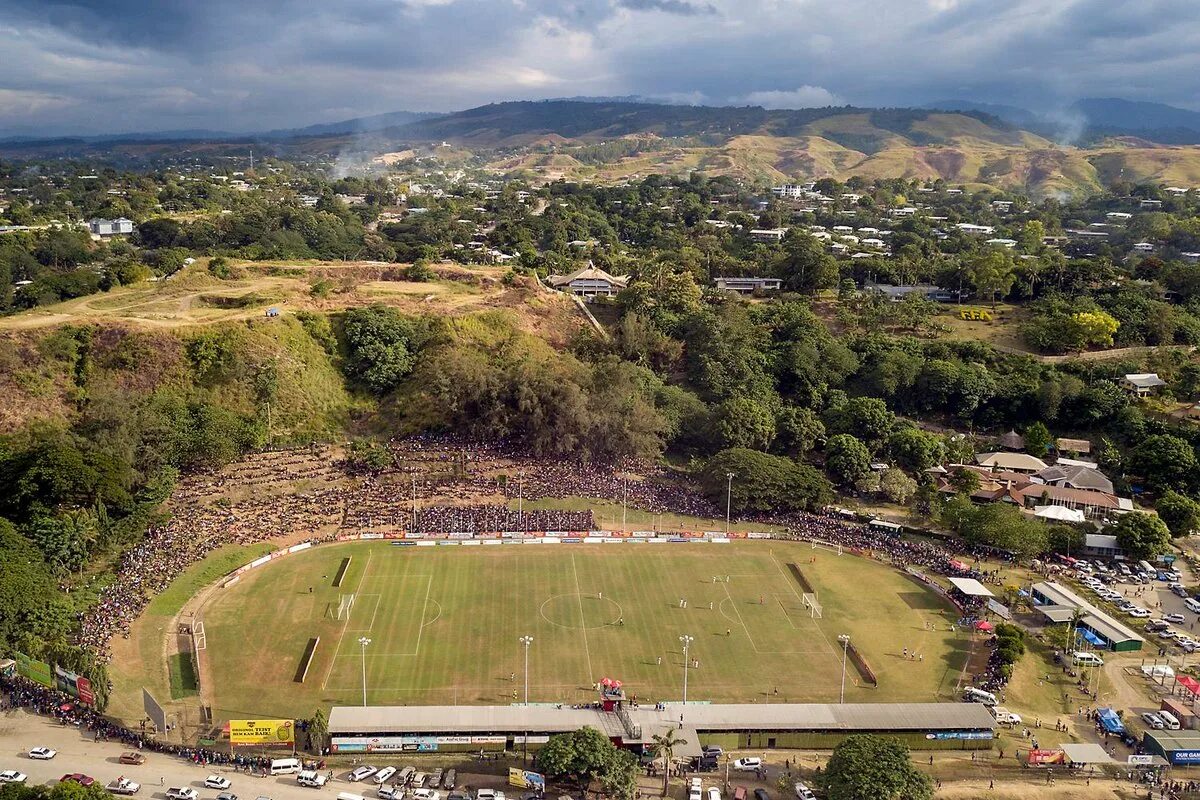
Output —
(78, 752)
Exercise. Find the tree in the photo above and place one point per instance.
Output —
(965, 481)
(1141, 536)
(915, 450)
(1164, 461)
(1096, 327)
(1179, 513)
(798, 429)
(869, 767)
(805, 265)
(743, 422)
(896, 486)
(846, 459)
(585, 755)
(1038, 439)
(380, 346)
(762, 482)
(991, 273)
(318, 730)
(663, 746)
(866, 418)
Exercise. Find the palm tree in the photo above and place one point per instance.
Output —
(664, 745)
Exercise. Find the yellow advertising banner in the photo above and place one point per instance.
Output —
(262, 731)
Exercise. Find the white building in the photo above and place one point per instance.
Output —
(748, 285)
(768, 234)
(590, 281)
(968, 227)
(104, 228)
(1143, 247)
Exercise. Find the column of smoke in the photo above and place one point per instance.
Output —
(1069, 125)
(356, 158)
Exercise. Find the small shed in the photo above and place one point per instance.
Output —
(1012, 441)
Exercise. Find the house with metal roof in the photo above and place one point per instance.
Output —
(1059, 605)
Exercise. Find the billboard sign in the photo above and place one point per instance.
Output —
(262, 731)
(86, 695)
(65, 680)
(34, 670)
(525, 779)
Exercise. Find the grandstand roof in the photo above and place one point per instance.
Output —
(971, 587)
(702, 717)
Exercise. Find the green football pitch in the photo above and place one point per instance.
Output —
(445, 623)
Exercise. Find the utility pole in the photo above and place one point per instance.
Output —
(413, 475)
(526, 640)
(521, 499)
(686, 641)
(728, 498)
(845, 640)
(364, 641)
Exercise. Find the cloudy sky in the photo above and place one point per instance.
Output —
(125, 65)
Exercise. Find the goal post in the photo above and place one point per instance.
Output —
(345, 604)
(812, 604)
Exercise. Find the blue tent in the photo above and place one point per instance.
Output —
(1110, 721)
(1092, 638)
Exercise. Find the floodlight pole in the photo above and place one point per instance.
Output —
(845, 640)
(624, 499)
(728, 498)
(364, 641)
(413, 475)
(686, 641)
(521, 499)
(526, 640)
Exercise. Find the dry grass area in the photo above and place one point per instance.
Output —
(193, 297)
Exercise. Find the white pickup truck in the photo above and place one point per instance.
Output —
(123, 785)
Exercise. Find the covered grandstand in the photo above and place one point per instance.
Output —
(732, 726)
(1059, 605)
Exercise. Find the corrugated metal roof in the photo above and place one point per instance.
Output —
(703, 717)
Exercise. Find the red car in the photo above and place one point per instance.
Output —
(77, 777)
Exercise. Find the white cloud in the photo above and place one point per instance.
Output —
(803, 97)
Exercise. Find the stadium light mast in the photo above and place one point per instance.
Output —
(521, 499)
(686, 641)
(413, 475)
(845, 640)
(364, 641)
(624, 499)
(728, 497)
(526, 640)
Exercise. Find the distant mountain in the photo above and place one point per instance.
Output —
(370, 124)
(1132, 115)
(1021, 117)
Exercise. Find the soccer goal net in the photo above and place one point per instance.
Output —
(810, 602)
(345, 604)
(833, 548)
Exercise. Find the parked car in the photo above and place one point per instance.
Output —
(1176, 618)
(488, 794)
(132, 757)
(1138, 613)
(1154, 720)
(712, 750)
(217, 782)
(42, 753)
(390, 791)
(427, 794)
(12, 776)
(449, 779)
(361, 773)
(405, 776)
(713, 793)
(77, 777)
(227, 796)
(383, 774)
(803, 792)
(435, 779)
(182, 793)
(761, 794)
(419, 779)
(124, 786)
(312, 779)
(747, 764)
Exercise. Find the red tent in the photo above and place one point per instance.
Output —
(1189, 683)
(983, 625)
(956, 564)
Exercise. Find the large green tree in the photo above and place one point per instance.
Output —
(762, 482)
(380, 346)
(1141, 536)
(846, 459)
(1165, 462)
(869, 767)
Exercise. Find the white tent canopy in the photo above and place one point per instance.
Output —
(1059, 513)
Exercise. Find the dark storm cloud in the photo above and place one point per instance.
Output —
(75, 65)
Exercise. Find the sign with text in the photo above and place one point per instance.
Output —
(262, 731)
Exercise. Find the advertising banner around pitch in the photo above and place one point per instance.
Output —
(526, 780)
(262, 731)
(34, 670)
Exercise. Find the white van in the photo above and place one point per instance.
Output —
(349, 796)
(1171, 721)
(973, 695)
(285, 766)
(1084, 659)
(1145, 567)
(1192, 604)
